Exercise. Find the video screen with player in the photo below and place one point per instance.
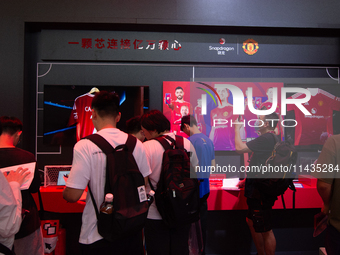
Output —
(213, 103)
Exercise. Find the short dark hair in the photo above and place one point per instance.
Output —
(133, 125)
(178, 88)
(10, 125)
(106, 103)
(274, 117)
(189, 120)
(155, 120)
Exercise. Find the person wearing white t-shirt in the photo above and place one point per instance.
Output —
(89, 167)
(160, 239)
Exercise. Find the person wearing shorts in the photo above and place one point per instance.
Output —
(259, 204)
(260, 214)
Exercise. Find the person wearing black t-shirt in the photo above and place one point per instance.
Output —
(29, 239)
(259, 204)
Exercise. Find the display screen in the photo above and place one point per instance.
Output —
(68, 113)
(62, 177)
(307, 123)
(212, 104)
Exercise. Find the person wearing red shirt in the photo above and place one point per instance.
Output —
(222, 133)
(315, 128)
(199, 117)
(178, 107)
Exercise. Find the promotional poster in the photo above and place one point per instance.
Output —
(306, 117)
(212, 104)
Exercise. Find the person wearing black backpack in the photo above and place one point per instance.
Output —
(134, 128)
(259, 204)
(89, 169)
(163, 236)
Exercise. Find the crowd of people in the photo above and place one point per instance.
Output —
(19, 221)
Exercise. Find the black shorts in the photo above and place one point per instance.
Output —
(260, 214)
(132, 245)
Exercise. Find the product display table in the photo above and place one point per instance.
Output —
(306, 196)
(53, 201)
(220, 198)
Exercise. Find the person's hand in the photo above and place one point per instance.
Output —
(171, 106)
(238, 126)
(17, 176)
(325, 209)
(239, 123)
(241, 184)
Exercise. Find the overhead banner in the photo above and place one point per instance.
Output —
(91, 45)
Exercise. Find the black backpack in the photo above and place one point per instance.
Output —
(5, 250)
(283, 154)
(126, 183)
(177, 195)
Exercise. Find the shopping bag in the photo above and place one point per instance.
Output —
(49, 227)
(50, 230)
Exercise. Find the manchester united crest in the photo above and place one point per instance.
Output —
(250, 46)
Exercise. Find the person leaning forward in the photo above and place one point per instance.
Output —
(89, 167)
(259, 204)
(159, 238)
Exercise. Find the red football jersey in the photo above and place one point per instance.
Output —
(82, 115)
(315, 128)
(223, 134)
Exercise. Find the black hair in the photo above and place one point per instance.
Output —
(155, 120)
(106, 103)
(179, 88)
(273, 119)
(133, 125)
(10, 125)
(188, 119)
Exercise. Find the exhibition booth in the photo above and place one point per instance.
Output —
(225, 78)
